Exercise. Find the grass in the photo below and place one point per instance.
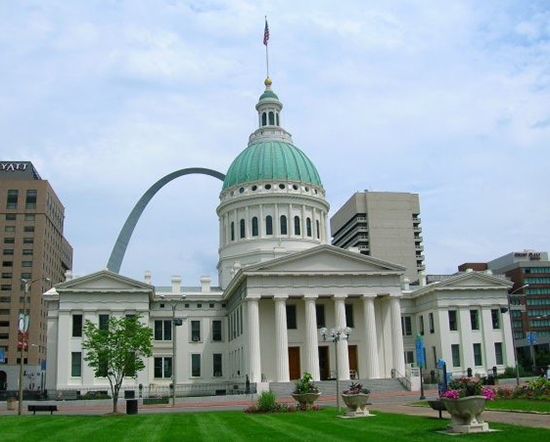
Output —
(524, 405)
(238, 426)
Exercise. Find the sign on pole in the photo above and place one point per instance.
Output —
(419, 347)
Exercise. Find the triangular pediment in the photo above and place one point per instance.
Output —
(102, 281)
(474, 279)
(326, 259)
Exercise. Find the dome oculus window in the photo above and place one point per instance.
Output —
(268, 187)
(254, 188)
(281, 186)
(241, 190)
(295, 187)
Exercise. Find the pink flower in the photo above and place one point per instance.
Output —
(451, 394)
(489, 393)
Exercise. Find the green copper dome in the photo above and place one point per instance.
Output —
(271, 160)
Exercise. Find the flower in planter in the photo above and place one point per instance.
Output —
(356, 388)
(305, 385)
(451, 394)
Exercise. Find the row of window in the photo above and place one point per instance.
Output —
(538, 280)
(543, 301)
(26, 229)
(538, 291)
(13, 216)
(9, 275)
(270, 117)
(528, 270)
(478, 358)
(474, 319)
(26, 240)
(13, 198)
(11, 252)
(235, 323)
(406, 325)
(77, 325)
(269, 227)
(538, 312)
(163, 366)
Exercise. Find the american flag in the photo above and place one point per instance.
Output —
(266, 33)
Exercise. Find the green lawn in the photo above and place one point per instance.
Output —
(238, 426)
(509, 405)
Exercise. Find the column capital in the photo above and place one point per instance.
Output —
(367, 296)
(311, 297)
(396, 295)
(339, 297)
(250, 297)
(280, 297)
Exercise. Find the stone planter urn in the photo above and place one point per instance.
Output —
(11, 403)
(306, 399)
(466, 414)
(357, 404)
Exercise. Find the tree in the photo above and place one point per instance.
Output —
(117, 351)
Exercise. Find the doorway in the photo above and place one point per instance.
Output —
(3, 380)
(294, 362)
(324, 366)
(352, 356)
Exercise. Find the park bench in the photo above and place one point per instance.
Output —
(438, 406)
(35, 408)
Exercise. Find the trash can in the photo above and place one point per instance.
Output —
(11, 403)
(131, 406)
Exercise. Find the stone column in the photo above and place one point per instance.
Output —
(342, 345)
(281, 339)
(254, 357)
(398, 355)
(312, 342)
(371, 346)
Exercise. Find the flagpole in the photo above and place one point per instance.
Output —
(266, 47)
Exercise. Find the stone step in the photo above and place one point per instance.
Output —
(329, 387)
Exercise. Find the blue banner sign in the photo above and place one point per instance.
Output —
(419, 347)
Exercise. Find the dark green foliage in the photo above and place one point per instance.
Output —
(267, 401)
(156, 400)
(305, 385)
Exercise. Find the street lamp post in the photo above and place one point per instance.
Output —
(335, 335)
(512, 328)
(174, 305)
(24, 329)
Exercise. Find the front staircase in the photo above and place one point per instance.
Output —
(328, 388)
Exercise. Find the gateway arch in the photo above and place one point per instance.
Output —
(119, 249)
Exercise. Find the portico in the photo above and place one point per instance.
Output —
(289, 299)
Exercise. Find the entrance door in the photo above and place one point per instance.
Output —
(324, 367)
(294, 362)
(3, 380)
(353, 369)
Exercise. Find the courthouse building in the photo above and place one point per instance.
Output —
(279, 283)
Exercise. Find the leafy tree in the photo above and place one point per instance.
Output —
(117, 351)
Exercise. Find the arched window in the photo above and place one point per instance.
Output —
(268, 225)
(308, 226)
(232, 231)
(277, 116)
(264, 119)
(254, 226)
(297, 225)
(284, 229)
(318, 229)
(243, 233)
(271, 119)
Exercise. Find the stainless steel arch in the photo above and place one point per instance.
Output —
(119, 249)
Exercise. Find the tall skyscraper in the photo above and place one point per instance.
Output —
(33, 249)
(384, 225)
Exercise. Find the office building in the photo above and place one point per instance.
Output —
(33, 248)
(385, 225)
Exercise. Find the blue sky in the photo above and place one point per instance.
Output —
(447, 99)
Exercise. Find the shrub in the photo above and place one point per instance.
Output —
(95, 395)
(510, 372)
(267, 401)
(156, 400)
